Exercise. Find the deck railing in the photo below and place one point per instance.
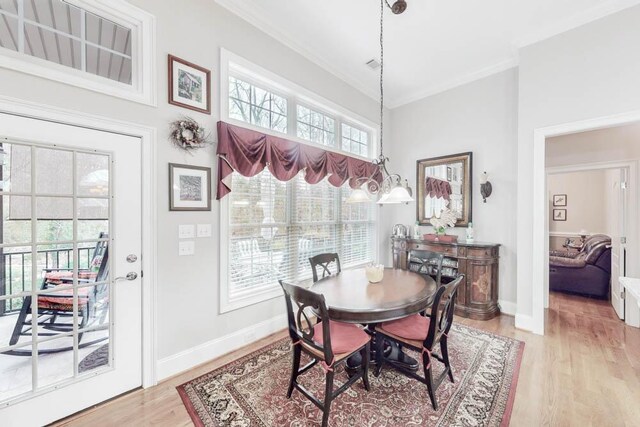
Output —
(17, 271)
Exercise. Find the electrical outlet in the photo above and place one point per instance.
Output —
(186, 248)
(187, 231)
(204, 230)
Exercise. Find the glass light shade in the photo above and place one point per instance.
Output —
(484, 177)
(358, 196)
(399, 194)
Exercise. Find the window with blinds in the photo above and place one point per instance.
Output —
(274, 227)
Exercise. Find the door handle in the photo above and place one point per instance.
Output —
(130, 276)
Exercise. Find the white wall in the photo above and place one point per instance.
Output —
(478, 117)
(591, 71)
(188, 287)
(585, 201)
(621, 143)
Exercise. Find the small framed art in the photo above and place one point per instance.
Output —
(189, 85)
(559, 200)
(559, 214)
(189, 188)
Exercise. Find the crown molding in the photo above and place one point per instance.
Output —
(575, 21)
(455, 82)
(240, 9)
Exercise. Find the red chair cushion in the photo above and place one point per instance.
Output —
(63, 300)
(413, 327)
(345, 337)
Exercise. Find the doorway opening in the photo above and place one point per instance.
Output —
(609, 147)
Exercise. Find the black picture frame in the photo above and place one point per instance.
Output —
(198, 196)
(559, 200)
(559, 214)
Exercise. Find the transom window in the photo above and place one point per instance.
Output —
(102, 45)
(56, 31)
(316, 127)
(252, 104)
(355, 140)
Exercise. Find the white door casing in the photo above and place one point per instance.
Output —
(126, 238)
(619, 238)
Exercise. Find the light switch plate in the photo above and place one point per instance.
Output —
(186, 248)
(187, 231)
(204, 230)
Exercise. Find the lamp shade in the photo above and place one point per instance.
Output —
(399, 194)
(358, 196)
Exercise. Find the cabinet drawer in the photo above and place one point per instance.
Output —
(481, 253)
(442, 249)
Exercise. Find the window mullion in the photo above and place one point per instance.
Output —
(83, 40)
(292, 116)
(21, 28)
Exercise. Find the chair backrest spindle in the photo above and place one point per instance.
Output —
(324, 261)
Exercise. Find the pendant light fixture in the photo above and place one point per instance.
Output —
(392, 189)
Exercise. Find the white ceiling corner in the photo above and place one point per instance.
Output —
(433, 47)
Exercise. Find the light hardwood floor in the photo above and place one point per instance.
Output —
(585, 371)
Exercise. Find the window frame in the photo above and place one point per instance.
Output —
(143, 66)
(236, 66)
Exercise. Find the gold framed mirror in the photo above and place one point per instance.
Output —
(444, 182)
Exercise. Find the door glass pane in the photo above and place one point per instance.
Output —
(54, 171)
(16, 219)
(16, 168)
(93, 174)
(55, 361)
(16, 276)
(67, 285)
(55, 218)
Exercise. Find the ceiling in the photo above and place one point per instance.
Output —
(434, 46)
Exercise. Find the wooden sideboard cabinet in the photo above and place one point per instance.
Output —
(478, 292)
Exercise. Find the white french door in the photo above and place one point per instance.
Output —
(619, 236)
(70, 286)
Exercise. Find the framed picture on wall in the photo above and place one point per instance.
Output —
(559, 214)
(559, 200)
(189, 188)
(189, 85)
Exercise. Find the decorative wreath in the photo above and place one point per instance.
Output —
(187, 134)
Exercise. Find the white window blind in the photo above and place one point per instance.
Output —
(275, 227)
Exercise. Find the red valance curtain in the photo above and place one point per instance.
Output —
(248, 152)
(437, 188)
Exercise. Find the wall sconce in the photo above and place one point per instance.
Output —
(485, 186)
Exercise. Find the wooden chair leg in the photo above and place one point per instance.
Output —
(379, 354)
(444, 350)
(328, 397)
(365, 366)
(428, 375)
(22, 317)
(295, 367)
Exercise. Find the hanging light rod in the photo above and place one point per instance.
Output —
(391, 188)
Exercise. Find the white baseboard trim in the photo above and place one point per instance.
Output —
(524, 322)
(205, 352)
(507, 307)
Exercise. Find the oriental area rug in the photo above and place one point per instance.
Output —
(251, 391)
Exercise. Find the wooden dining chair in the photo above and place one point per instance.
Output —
(324, 261)
(423, 333)
(427, 263)
(328, 343)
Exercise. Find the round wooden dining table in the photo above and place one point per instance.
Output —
(351, 298)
